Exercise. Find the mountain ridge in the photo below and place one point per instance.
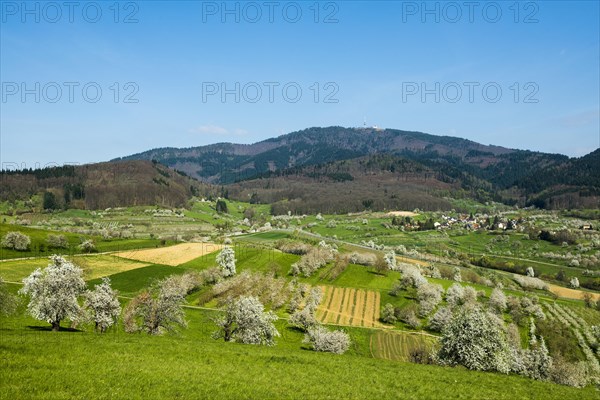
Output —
(513, 176)
(369, 168)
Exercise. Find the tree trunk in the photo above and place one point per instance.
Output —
(227, 335)
(55, 326)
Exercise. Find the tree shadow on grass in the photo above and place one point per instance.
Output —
(373, 272)
(49, 329)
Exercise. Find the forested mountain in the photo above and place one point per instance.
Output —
(102, 185)
(484, 172)
(378, 182)
(323, 170)
(226, 163)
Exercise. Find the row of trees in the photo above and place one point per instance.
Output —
(21, 242)
(54, 294)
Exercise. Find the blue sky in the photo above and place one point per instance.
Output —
(400, 65)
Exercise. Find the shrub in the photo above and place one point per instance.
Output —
(57, 241)
(470, 295)
(87, 246)
(388, 314)
(538, 362)
(409, 317)
(566, 373)
(221, 206)
(16, 241)
(322, 339)
(8, 302)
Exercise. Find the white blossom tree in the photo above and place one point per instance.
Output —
(455, 295)
(54, 290)
(16, 241)
(457, 275)
(390, 260)
(245, 321)
(475, 340)
(103, 304)
(411, 277)
(538, 362)
(429, 296)
(440, 319)
(305, 318)
(317, 257)
(470, 295)
(596, 332)
(574, 282)
(529, 272)
(157, 310)
(226, 260)
(325, 340)
(497, 300)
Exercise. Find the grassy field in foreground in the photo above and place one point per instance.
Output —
(67, 365)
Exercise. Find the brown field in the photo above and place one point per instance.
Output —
(346, 317)
(570, 293)
(360, 307)
(172, 255)
(347, 306)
